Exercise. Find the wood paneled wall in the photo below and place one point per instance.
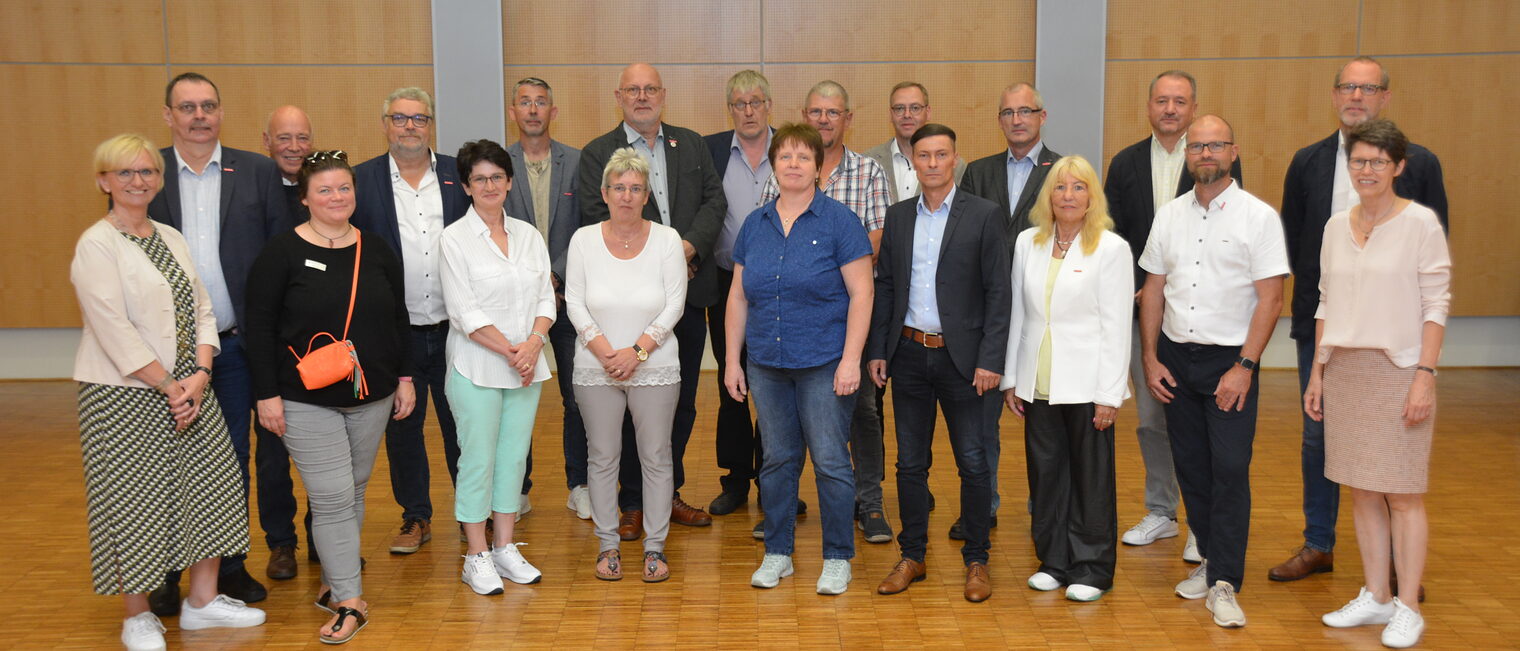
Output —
(82, 70)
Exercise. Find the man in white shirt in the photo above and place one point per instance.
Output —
(1216, 259)
(908, 108)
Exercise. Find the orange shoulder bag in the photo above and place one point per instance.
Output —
(338, 360)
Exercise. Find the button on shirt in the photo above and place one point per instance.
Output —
(902, 171)
(1211, 256)
(200, 209)
(538, 185)
(1342, 195)
(742, 187)
(1019, 170)
(1166, 170)
(658, 175)
(419, 218)
(928, 239)
(798, 304)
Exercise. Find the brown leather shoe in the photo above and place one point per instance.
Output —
(282, 563)
(631, 525)
(691, 516)
(905, 572)
(413, 533)
(978, 583)
(1305, 561)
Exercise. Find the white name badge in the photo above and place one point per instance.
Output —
(316, 265)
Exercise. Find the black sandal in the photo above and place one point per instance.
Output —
(325, 601)
(344, 612)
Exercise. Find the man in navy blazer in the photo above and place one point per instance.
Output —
(407, 196)
(227, 202)
(939, 329)
(1021, 114)
(543, 194)
(1317, 186)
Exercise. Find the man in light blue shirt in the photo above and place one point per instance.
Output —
(1012, 178)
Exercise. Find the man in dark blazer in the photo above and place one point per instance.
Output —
(1132, 202)
(942, 341)
(1317, 185)
(543, 175)
(685, 194)
(227, 202)
(1021, 114)
(427, 184)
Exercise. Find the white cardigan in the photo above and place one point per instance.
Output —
(1091, 308)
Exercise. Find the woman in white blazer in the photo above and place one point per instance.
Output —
(1066, 373)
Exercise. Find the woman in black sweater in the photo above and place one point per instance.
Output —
(300, 286)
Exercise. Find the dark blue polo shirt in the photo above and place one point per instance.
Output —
(798, 304)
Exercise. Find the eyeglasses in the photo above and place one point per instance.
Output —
(1370, 90)
(753, 105)
(399, 119)
(188, 108)
(147, 174)
(635, 91)
(498, 179)
(1216, 147)
(625, 189)
(909, 109)
(331, 154)
(1022, 111)
(834, 114)
(1378, 164)
(526, 103)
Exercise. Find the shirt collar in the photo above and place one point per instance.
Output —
(897, 151)
(476, 225)
(734, 143)
(396, 171)
(944, 207)
(1220, 201)
(287, 182)
(214, 161)
(1156, 147)
(1032, 156)
(634, 136)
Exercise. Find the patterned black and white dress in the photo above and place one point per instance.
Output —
(159, 500)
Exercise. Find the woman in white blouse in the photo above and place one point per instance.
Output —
(625, 288)
(501, 304)
(1068, 356)
(1385, 279)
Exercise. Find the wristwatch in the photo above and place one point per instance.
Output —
(642, 354)
(1246, 363)
(203, 368)
(1427, 369)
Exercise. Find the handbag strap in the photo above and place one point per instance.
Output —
(354, 289)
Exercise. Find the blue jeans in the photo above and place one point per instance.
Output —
(562, 339)
(800, 415)
(1322, 497)
(404, 443)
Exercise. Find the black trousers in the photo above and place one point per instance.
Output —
(1211, 450)
(1075, 522)
(737, 438)
(922, 377)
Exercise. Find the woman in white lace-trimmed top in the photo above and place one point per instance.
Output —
(625, 288)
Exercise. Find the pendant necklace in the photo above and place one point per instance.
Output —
(331, 241)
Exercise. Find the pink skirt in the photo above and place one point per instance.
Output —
(1367, 444)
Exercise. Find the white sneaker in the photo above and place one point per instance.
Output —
(511, 565)
(143, 632)
(1196, 585)
(480, 575)
(773, 568)
(524, 507)
(1149, 529)
(1043, 582)
(1361, 611)
(1079, 592)
(835, 577)
(1404, 629)
(221, 612)
(580, 502)
(1190, 550)
(1221, 602)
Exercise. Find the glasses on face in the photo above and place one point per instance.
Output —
(636, 91)
(1215, 147)
(900, 110)
(1377, 164)
(188, 108)
(1370, 90)
(834, 114)
(753, 105)
(147, 174)
(498, 179)
(627, 189)
(331, 154)
(400, 119)
(1022, 111)
(526, 103)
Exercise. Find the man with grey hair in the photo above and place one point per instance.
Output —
(908, 109)
(407, 196)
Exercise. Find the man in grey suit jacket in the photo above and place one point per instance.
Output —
(1012, 179)
(908, 108)
(544, 195)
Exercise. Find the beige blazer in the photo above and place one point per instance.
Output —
(128, 306)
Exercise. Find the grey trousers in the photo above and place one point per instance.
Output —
(652, 408)
(334, 449)
(1161, 494)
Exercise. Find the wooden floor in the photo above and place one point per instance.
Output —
(418, 601)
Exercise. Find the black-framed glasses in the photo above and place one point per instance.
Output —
(1370, 90)
(635, 91)
(1216, 147)
(1378, 164)
(188, 108)
(330, 154)
(400, 119)
(900, 110)
(753, 105)
(1022, 111)
(834, 114)
(147, 173)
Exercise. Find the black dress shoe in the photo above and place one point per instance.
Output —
(239, 585)
(164, 601)
(727, 502)
(958, 533)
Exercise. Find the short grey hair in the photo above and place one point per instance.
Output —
(1176, 74)
(623, 161)
(748, 80)
(536, 83)
(829, 88)
(412, 93)
(1038, 98)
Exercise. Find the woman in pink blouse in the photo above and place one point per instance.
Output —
(1384, 296)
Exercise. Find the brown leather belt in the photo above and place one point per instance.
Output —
(928, 339)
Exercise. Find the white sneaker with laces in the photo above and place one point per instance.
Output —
(1079, 592)
(511, 565)
(221, 612)
(524, 507)
(1361, 611)
(1404, 629)
(1043, 582)
(1196, 585)
(1149, 529)
(835, 578)
(773, 568)
(1190, 550)
(143, 632)
(580, 502)
(480, 575)
(1221, 602)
